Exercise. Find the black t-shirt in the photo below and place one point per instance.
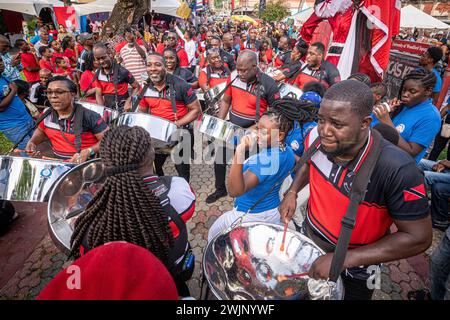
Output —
(185, 74)
(228, 59)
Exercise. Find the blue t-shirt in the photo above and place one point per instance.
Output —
(16, 113)
(295, 138)
(270, 166)
(438, 85)
(419, 124)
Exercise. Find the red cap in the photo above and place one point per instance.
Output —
(114, 271)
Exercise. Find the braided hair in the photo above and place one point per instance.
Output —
(426, 78)
(124, 209)
(288, 110)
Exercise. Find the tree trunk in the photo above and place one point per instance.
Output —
(127, 13)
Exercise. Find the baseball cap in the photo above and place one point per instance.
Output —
(113, 271)
(85, 36)
(312, 97)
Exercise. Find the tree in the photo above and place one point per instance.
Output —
(275, 11)
(127, 13)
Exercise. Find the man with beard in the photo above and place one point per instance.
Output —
(395, 194)
(228, 45)
(113, 80)
(284, 54)
(74, 132)
(173, 99)
(249, 96)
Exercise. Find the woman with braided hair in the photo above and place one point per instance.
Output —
(416, 119)
(132, 204)
(259, 178)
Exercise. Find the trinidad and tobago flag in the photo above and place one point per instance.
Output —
(415, 193)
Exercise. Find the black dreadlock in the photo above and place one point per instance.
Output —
(124, 209)
(288, 110)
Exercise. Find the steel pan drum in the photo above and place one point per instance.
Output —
(289, 90)
(220, 129)
(161, 130)
(246, 264)
(29, 179)
(107, 114)
(68, 199)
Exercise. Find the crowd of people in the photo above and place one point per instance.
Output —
(336, 122)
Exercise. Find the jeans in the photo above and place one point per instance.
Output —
(432, 177)
(439, 183)
(440, 270)
(16, 133)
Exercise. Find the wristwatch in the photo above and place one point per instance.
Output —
(91, 151)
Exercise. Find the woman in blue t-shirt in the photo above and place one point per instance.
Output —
(416, 119)
(253, 180)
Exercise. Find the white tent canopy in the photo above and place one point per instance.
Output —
(32, 7)
(168, 7)
(302, 16)
(411, 17)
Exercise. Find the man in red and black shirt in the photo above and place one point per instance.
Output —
(215, 73)
(317, 69)
(157, 100)
(113, 81)
(248, 82)
(284, 53)
(74, 132)
(395, 194)
(172, 41)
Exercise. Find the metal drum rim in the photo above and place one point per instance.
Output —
(40, 160)
(145, 114)
(53, 236)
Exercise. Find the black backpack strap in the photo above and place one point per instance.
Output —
(258, 102)
(115, 80)
(173, 100)
(208, 75)
(357, 193)
(141, 95)
(77, 128)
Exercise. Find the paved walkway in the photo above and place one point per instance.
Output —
(29, 259)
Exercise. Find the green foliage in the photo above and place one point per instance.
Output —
(5, 144)
(275, 11)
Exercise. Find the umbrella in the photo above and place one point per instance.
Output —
(244, 18)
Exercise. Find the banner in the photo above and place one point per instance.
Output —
(67, 17)
(184, 11)
(404, 57)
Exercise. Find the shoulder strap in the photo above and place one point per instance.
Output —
(258, 101)
(115, 79)
(208, 75)
(357, 193)
(139, 98)
(77, 127)
(172, 99)
(97, 73)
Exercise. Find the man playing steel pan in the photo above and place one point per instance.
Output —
(215, 73)
(74, 132)
(249, 96)
(173, 99)
(395, 193)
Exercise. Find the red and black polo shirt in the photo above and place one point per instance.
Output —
(283, 58)
(327, 74)
(243, 97)
(159, 102)
(396, 191)
(106, 84)
(215, 79)
(52, 126)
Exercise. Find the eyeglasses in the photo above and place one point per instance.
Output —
(55, 92)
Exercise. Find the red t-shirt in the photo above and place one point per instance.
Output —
(160, 48)
(61, 71)
(69, 53)
(44, 64)
(29, 61)
(182, 55)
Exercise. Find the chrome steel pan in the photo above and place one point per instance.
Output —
(220, 129)
(289, 90)
(246, 263)
(107, 114)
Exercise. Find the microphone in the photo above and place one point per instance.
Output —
(38, 121)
